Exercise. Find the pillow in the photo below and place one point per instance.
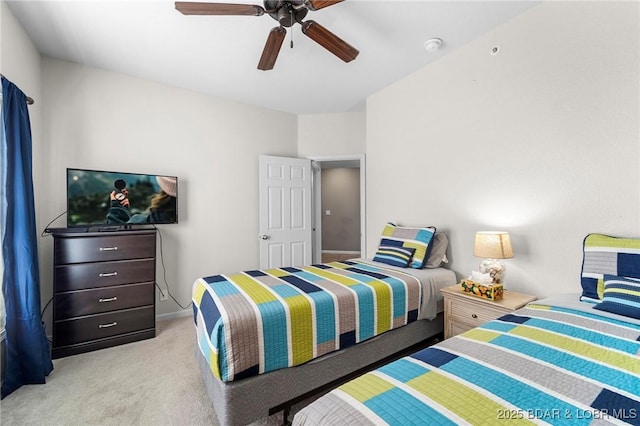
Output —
(417, 238)
(396, 256)
(437, 250)
(621, 296)
(602, 255)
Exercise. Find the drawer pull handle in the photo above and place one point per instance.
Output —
(108, 248)
(474, 316)
(108, 274)
(111, 299)
(113, 324)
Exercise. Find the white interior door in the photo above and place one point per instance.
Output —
(286, 227)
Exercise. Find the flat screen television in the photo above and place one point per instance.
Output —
(98, 198)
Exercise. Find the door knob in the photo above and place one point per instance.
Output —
(264, 237)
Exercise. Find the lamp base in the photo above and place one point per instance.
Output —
(494, 268)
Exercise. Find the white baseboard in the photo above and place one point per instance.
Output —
(173, 315)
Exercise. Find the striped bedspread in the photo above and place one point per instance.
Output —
(263, 320)
(542, 365)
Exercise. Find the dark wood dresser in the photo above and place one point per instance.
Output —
(103, 289)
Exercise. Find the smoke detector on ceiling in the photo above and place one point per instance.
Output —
(432, 44)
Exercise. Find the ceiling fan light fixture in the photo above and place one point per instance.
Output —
(433, 44)
(284, 17)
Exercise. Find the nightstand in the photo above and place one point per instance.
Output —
(464, 311)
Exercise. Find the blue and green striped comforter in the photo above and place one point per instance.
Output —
(263, 320)
(542, 364)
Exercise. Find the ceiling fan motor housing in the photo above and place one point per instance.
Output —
(286, 13)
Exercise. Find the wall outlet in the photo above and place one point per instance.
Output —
(164, 295)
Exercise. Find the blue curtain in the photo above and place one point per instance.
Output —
(28, 358)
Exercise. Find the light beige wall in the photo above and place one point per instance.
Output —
(541, 140)
(341, 196)
(331, 134)
(103, 120)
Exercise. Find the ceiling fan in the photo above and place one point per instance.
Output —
(287, 13)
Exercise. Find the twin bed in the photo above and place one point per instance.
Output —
(565, 360)
(555, 362)
(269, 338)
(568, 359)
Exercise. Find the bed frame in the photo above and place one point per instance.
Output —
(247, 400)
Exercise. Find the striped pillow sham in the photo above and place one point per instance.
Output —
(395, 256)
(603, 254)
(621, 296)
(416, 238)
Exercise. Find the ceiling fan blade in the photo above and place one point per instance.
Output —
(197, 8)
(329, 41)
(272, 48)
(321, 4)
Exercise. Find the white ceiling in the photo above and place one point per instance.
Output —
(218, 55)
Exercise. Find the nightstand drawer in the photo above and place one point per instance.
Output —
(463, 311)
(88, 302)
(103, 274)
(472, 314)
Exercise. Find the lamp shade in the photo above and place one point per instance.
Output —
(493, 245)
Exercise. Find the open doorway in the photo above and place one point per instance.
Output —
(339, 207)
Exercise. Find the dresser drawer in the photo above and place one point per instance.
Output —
(95, 301)
(84, 329)
(104, 248)
(472, 314)
(103, 274)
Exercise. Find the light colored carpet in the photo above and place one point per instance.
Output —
(152, 382)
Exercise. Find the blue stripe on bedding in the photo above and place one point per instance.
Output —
(285, 291)
(303, 285)
(578, 365)
(223, 345)
(367, 317)
(399, 296)
(618, 406)
(209, 308)
(434, 356)
(398, 408)
(593, 337)
(274, 329)
(367, 274)
(397, 287)
(325, 317)
(309, 276)
(404, 370)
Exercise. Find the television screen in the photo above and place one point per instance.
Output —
(102, 198)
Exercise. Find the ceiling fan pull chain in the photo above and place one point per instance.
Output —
(292, 31)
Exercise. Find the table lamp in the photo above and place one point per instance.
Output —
(493, 245)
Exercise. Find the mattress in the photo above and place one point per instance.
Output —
(556, 361)
(258, 321)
